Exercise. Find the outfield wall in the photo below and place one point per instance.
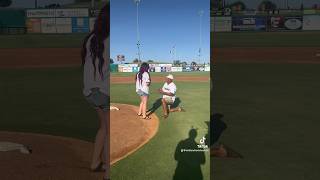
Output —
(266, 23)
(156, 68)
(51, 21)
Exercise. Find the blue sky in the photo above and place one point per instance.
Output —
(163, 24)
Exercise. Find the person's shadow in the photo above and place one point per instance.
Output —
(154, 107)
(189, 163)
(158, 103)
(217, 127)
(176, 103)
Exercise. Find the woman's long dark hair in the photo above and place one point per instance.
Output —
(143, 68)
(99, 34)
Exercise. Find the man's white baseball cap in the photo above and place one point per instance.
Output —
(170, 76)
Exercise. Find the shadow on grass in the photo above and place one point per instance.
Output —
(176, 103)
(158, 103)
(154, 107)
(219, 150)
(189, 163)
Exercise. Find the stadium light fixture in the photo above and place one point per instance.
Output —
(137, 2)
(200, 13)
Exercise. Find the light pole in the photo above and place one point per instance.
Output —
(36, 4)
(138, 34)
(174, 53)
(93, 4)
(200, 34)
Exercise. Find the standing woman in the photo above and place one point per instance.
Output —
(143, 82)
(95, 61)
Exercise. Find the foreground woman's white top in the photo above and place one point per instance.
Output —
(88, 73)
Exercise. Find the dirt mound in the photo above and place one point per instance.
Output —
(129, 132)
(62, 158)
(52, 158)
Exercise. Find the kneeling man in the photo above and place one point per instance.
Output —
(168, 92)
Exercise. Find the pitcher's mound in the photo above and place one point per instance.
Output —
(129, 132)
(52, 157)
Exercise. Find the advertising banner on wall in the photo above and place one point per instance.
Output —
(48, 25)
(33, 25)
(249, 23)
(176, 69)
(221, 24)
(311, 22)
(80, 25)
(63, 25)
(277, 23)
(157, 69)
(43, 13)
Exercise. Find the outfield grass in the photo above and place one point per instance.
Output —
(42, 41)
(266, 39)
(155, 160)
(272, 114)
(47, 101)
(240, 39)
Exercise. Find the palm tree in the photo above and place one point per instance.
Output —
(267, 6)
(238, 6)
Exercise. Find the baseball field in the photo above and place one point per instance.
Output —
(266, 86)
(41, 87)
(155, 160)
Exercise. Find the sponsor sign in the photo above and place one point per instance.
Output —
(33, 25)
(135, 69)
(80, 25)
(221, 24)
(56, 25)
(176, 69)
(47, 13)
(249, 23)
(120, 57)
(277, 23)
(157, 69)
(293, 23)
(311, 22)
(63, 25)
(48, 25)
